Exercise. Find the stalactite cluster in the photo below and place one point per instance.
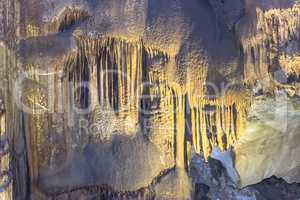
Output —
(130, 83)
(124, 91)
(218, 122)
(276, 34)
(113, 69)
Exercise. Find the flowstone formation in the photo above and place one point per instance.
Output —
(112, 99)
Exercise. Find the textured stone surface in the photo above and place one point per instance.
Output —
(269, 145)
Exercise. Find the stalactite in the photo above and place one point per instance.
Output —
(115, 67)
(180, 127)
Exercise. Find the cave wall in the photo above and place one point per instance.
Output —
(166, 55)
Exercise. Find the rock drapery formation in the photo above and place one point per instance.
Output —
(136, 86)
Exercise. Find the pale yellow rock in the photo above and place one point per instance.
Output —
(269, 145)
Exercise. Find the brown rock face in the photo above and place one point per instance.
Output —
(109, 95)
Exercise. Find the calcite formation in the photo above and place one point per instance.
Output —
(113, 95)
